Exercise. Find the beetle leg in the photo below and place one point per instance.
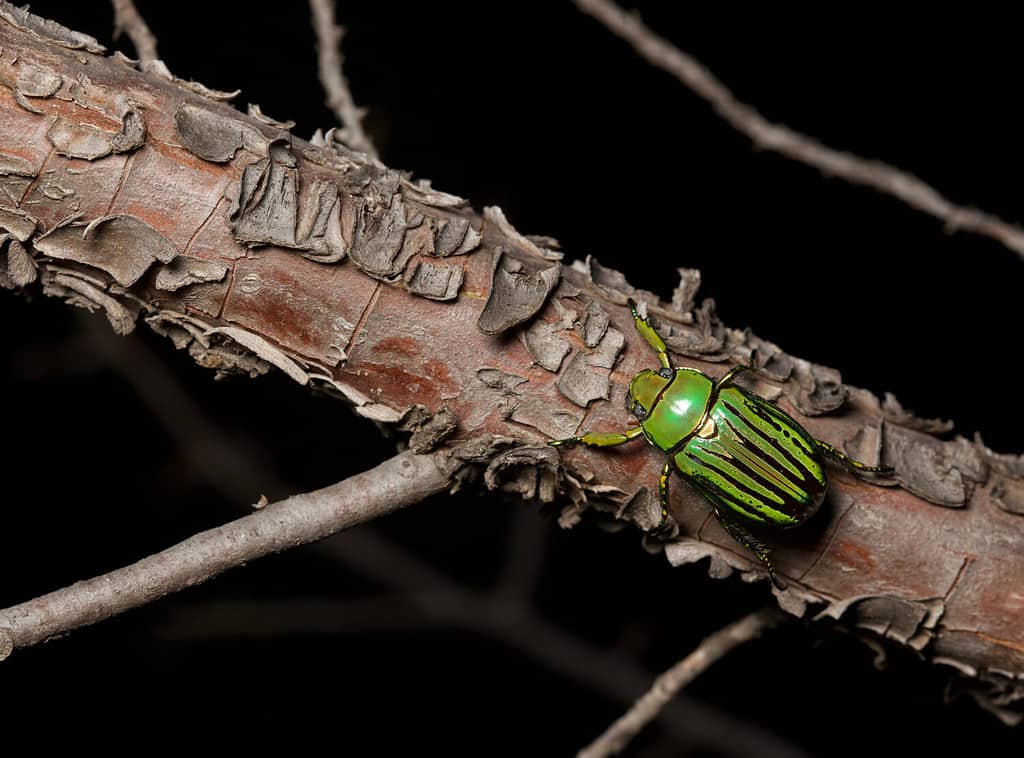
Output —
(751, 543)
(731, 374)
(666, 472)
(849, 463)
(648, 333)
(601, 439)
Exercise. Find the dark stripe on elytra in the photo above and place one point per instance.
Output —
(781, 507)
(782, 471)
(800, 465)
(723, 502)
(765, 413)
(789, 505)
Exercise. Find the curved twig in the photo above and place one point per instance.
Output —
(767, 135)
(666, 686)
(332, 77)
(127, 19)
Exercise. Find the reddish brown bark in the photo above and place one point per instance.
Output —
(252, 249)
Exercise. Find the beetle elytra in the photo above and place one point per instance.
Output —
(752, 461)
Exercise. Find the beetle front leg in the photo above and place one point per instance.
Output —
(731, 374)
(849, 463)
(601, 439)
(650, 334)
(760, 550)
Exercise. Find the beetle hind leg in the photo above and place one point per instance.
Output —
(760, 550)
(664, 527)
(849, 463)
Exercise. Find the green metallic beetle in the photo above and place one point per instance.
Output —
(752, 461)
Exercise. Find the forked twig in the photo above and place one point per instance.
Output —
(127, 19)
(668, 684)
(332, 77)
(767, 135)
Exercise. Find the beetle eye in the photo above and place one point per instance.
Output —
(639, 411)
(666, 373)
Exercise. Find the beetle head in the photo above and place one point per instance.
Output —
(644, 389)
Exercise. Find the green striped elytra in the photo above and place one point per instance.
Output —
(752, 461)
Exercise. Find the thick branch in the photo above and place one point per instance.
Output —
(766, 135)
(668, 684)
(405, 479)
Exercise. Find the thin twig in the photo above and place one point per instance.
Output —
(127, 19)
(688, 721)
(405, 479)
(665, 687)
(880, 176)
(332, 77)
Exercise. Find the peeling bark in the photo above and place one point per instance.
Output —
(253, 249)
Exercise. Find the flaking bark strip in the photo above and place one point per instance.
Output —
(517, 294)
(159, 68)
(550, 418)
(706, 338)
(612, 284)
(500, 380)
(209, 135)
(122, 246)
(185, 270)
(436, 281)
(545, 346)
(318, 229)
(532, 471)
(264, 350)
(685, 292)
(21, 224)
(84, 294)
(378, 237)
(85, 141)
(267, 208)
(909, 622)
(48, 30)
(897, 414)
(454, 236)
(595, 324)
(20, 266)
(940, 472)
(607, 352)
(494, 215)
(257, 113)
(35, 82)
(429, 430)
(581, 383)
(422, 192)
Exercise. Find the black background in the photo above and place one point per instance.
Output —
(533, 107)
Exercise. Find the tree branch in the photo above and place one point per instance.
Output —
(432, 319)
(400, 481)
(766, 135)
(332, 77)
(127, 19)
(668, 684)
